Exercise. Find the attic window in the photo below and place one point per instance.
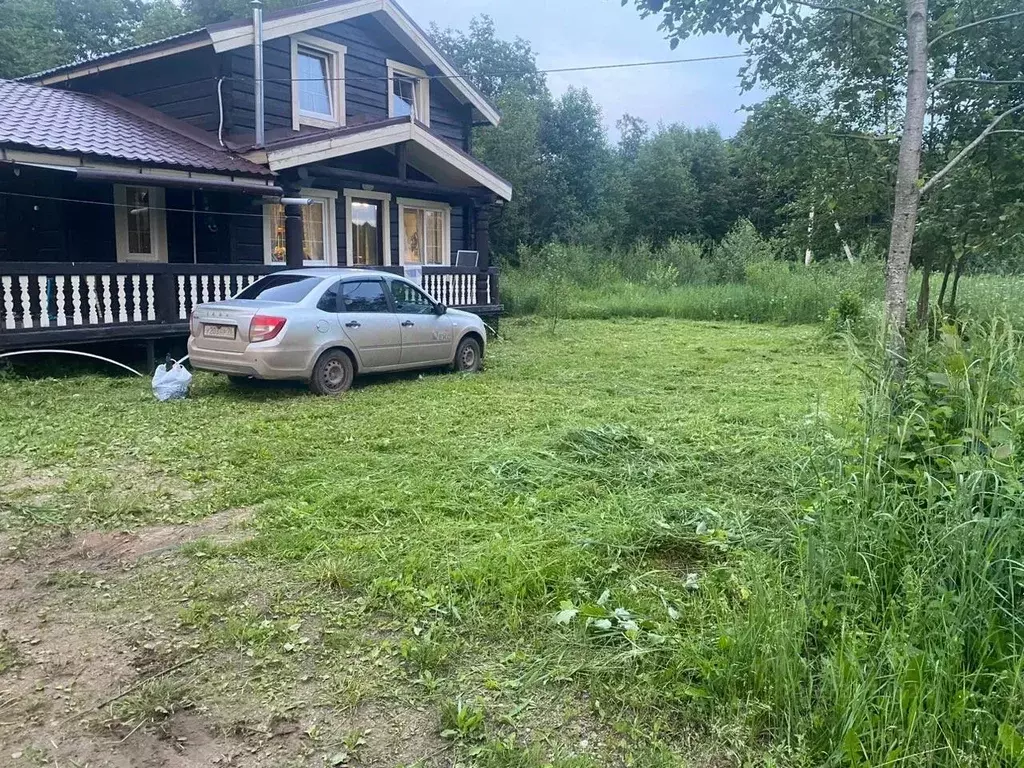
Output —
(408, 92)
(318, 82)
(314, 84)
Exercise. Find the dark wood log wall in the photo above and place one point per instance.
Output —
(368, 47)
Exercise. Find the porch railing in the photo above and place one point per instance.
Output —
(52, 296)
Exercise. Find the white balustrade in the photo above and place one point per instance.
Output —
(26, 305)
(182, 309)
(44, 302)
(122, 303)
(150, 303)
(8, 299)
(58, 290)
(136, 299)
(108, 308)
(76, 300)
(90, 292)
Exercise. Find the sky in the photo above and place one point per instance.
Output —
(572, 33)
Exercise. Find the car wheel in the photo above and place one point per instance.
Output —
(468, 356)
(332, 374)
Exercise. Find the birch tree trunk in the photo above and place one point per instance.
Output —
(904, 219)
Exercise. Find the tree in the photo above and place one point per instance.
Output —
(577, 160)
(633, 133)
(513, 150)
(858, 62)
(664, 199)
(163, 18)
(494, 66)
(38, 34)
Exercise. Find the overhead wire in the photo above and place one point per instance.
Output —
(496, 73)
(512, 72)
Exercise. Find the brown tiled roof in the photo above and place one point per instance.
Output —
(56, 120)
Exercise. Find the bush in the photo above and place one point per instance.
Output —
(739, 249)
(845, 315)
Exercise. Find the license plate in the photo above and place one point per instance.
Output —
(219, 331)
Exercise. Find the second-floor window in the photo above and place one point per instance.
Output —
(318, 82)
(408, 92)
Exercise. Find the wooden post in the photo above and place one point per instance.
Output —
(293, 236)
(165, 296)
(482, 239)
(401, 159)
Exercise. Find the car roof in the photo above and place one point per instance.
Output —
(336, 272)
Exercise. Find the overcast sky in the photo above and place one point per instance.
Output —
(571, 33)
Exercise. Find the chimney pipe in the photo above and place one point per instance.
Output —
(257, 28)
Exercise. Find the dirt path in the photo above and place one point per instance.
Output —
(62, 668)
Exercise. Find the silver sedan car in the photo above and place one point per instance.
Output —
(326, 326)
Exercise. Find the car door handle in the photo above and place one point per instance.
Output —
(352, 324)
(408, 324)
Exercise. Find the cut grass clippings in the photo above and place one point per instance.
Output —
(508, 549)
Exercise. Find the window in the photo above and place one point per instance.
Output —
(328, 301)
(368, 239)
(364, 296)
(424, 234)
(410, 300)
(318, 82)
(319, 247)
(140, 222)
(314, 83)
(288, 289)
(408, 92)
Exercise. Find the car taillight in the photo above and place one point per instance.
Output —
(265, 327)
(193, 323)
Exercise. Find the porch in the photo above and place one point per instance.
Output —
(61, 304)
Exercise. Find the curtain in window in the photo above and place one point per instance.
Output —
(436, 223)
(313, 233)
(424, 232)
(140, 232)
(366, 245)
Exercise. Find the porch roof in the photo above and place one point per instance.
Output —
(56, 120)
(427, 151)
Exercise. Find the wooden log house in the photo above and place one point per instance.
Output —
(137, 184)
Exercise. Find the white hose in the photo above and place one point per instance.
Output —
(71, 352)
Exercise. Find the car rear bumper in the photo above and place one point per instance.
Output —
(260, 363)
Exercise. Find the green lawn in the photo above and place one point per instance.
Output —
(448, 548)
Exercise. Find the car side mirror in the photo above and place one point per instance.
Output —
(440, 309)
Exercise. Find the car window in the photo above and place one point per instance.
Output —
(364, 296)
(410, 300)
(288, 289)
(329, 300)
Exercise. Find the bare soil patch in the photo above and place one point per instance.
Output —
(63, 662)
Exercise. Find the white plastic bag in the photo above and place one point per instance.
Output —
(171, 384)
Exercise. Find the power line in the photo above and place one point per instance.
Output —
(510, 72)
(196, 211)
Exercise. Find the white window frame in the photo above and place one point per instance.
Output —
(335, 53)
(325, 197)
(384, 197)
(157, 223)
(421, 95)
(446, 240)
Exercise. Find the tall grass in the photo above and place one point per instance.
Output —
(892, 632)
(741, 278)
(777, 292)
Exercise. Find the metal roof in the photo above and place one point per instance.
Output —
(56, 120)
(151, 46)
